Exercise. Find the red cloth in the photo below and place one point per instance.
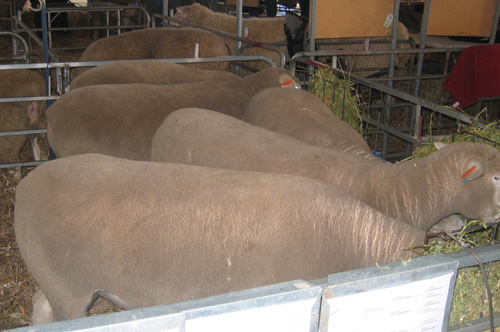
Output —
(476, 74)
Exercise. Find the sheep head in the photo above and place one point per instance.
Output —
(476, 171)
(192, 13)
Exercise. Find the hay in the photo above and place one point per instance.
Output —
(339, 95)
(470, 301)
(485, 134)
(16, 283)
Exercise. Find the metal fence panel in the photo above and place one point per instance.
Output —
(392, 297)
(289, 306)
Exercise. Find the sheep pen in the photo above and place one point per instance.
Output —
(17, 285)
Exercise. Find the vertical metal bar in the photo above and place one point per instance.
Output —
(446, 63)
(165, 8)
(423, 42)
(420, 63)
(392, 62)
(388, 98)
(118, 19)
(66, 78)
(239, 28)
(312, 26)
(45, 49)
(239, 23)
(312, 40)
(15, 29)
(394, 40)
(49, 30)
(418, 113)
(495, 23)
(107, 22)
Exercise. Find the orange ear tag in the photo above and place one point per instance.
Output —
(464, 176)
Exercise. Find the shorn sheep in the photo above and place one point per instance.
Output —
(265, 30)
(148, 72)
(143, 233)
(459, 178)
(21, 115)
(121, 120)
(302, 115)
(162, 43)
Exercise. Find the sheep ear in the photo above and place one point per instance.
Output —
(472, 171)
(440, 145)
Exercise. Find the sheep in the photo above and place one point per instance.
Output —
(21, 115)
(300, 114)
(377, 62)
(141, 233)
(264, 30)
(148, 72)
(459, 178)
(304, 116)
(164, 43)
(120, 120)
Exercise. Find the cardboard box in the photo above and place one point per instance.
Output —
(353, 18)
(461, 18)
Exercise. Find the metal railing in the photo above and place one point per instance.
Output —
(53, 12)
(300, 305)
(20, 49)
(407, 100)
(246, 41)
(64, 68)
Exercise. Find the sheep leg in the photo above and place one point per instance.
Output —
(62, 306)
(42, 311)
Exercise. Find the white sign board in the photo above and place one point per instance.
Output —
(417, 306)
(412, 296)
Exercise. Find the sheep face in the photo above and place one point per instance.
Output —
(479, 190)
(181, 13)
(192, 13)
(483, 192)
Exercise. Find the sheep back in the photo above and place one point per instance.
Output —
(159, 43)
(300, 114)
(148, 72)
(120, 120)
(462, 178)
